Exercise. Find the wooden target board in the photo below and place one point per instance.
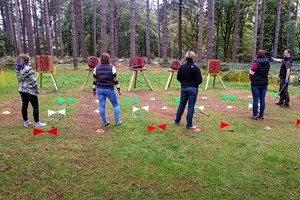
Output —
(44, 63)
(214, 66)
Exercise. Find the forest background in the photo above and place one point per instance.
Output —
(229, 30)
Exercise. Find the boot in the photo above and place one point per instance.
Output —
(279, 103)
(285, 105)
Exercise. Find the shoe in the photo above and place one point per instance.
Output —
(119, 123)
(27, 123)
(176, 124)
(285, 105)
(260, 117)
(39, 124)
(106, 124)
(192, 127)
(279, 103)
(254, 117)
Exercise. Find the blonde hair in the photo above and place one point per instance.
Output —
(190, 55)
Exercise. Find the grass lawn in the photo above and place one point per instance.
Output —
(127, 162)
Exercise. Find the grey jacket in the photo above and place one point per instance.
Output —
(27, 83)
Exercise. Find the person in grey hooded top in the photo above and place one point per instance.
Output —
(28, 90)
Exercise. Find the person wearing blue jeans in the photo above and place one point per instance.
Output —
(258, 75)
(105, 78)
(189, 75)
(258, 93)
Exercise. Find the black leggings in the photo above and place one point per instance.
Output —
(33, 99)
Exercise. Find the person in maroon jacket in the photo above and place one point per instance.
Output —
(258, 75)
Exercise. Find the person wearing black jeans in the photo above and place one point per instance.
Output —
(28, 90)
(189, 75)
(258, 75)
(284, 76)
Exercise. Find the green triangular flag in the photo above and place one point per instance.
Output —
(138, 115)
(127, 100)
(224, 97)
(232, 98)
(135, 99)
(177, 100)
(273, 94)
(71, 100)
(60, 101)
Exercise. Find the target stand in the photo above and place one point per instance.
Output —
(44, 64)
(174, 68)
(139, 64)
(214, 69)
(92, 63)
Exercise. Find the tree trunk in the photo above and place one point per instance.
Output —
(200, 31)
(13, 28)
(180, 30)
(165, 32)
(236, 30)
(48, 30)
(94, 29)
(27, 20)
(218, 22)
(61, 45)
(288, 19)
(22, 20)
(254, 42)
(103, 27)
(81, 30)
(53, 8)
(74, 34)
(262, 25)
(296, 11)
(158, 30)
(277, 28)
(132, 31)
(116, 33)
(112, 28)
(148, 32)
(18, 25)
(210, 29)
(35, 28)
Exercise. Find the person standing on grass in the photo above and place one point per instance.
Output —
(258, 75)
(105, 78)
(28, 90)
(189, 75)
(284, 76)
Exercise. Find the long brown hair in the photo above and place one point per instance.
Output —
(105, 59)
(260, 54)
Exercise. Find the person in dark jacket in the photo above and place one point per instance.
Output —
(105, 78)
(28, 90)
(189, 75)
(284, 76)
(258, 75)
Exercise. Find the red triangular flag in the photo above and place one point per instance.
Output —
(223, 125)
(297, 122)
(37, 131)
(162, 126)
(151, 128)
(53, 131)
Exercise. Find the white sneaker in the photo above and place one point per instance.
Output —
(27, 123)
(39, 124)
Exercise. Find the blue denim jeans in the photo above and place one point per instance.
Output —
(111, 95)
(259, 92)
(188, 95)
